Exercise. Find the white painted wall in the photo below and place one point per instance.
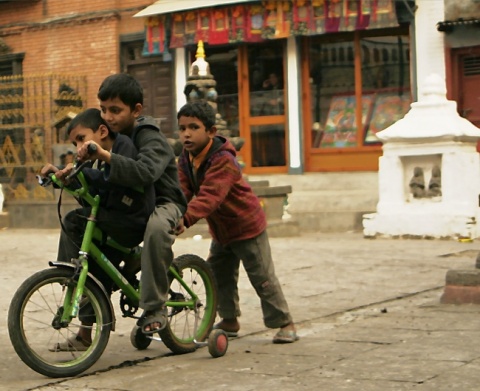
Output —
(181, 73)
(429, 42)
(294, 107)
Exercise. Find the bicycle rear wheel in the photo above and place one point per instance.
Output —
(189, 325)
(34, 329)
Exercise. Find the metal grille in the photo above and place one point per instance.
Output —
(34, 110)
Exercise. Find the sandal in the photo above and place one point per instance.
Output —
(76, 344)
(286, 336)
(150, 318)
(231, 333)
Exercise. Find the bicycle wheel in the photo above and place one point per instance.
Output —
(35, 331)
(189, 325)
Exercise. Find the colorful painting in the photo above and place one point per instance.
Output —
(388, 109)
(341, 125)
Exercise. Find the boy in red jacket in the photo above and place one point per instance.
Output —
(212, 181)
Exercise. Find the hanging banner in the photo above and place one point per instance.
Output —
(334, 15)
(276, 19)
(302, 17)
(178, 31)
(203, 25)
(350, 14)
(155, 36)
(190, 28)
(383, 14)
(238, 23)
(255, 17)
(219, 30)
(365, 10)
(270, 19)
(319, 12)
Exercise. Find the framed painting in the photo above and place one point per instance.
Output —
(340, 128)
(388, 109)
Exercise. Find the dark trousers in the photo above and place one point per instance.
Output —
(256, 257)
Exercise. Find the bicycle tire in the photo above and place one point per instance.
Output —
(179, 335)
(32, 312)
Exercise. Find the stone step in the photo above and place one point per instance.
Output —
(328, 202)
(302, 201)
(322, 180)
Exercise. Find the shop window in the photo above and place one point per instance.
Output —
(384, 89)
(267, 104)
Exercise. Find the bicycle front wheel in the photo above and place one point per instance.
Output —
(186, 324)
(37, 335)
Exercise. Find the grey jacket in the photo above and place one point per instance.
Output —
(155, 163)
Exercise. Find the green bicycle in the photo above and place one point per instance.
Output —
(47, 307)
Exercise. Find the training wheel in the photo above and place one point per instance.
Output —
(217, 343)
(139, 340)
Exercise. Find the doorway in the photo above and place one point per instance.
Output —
(251, 100)
(156, 77)
(468, 86)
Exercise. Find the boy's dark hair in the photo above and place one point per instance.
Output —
(201, 110)
(91, 119)
(122, 86)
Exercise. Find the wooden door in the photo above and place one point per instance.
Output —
(466, 82)
(156, 78)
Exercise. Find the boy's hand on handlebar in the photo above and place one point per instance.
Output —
(87, 152)
(48, 169)
(92, 151)
(62, 174)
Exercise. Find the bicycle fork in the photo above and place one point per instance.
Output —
(74, 292)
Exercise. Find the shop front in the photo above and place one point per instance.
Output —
(307, 84)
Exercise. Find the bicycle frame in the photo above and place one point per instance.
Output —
(74, 292)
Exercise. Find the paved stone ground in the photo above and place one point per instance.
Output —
(368, 313)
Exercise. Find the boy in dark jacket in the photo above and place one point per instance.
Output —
(213, 184)
(123, 212)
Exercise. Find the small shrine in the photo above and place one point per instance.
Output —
(429, 174)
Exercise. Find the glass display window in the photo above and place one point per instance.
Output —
(359, 85)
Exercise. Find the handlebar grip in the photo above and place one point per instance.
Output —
(91, 149)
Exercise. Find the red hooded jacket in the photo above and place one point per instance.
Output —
(221, 195)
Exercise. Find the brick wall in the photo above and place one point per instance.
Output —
(74, 37)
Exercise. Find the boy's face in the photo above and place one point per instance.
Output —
(80, 135)
(193, 134)
(119, 116)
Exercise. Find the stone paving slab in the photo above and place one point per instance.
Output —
(367, 311)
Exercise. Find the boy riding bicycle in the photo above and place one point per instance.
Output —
(123, 212)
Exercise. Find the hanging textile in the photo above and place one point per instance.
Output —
(383, 14)
(238, 23)
(178, 30)
(190, 28)
(155, 36)
(219, 29)
(277, 19)
(203, 25)
(302, 17)
(255, 17)
(263, 20)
